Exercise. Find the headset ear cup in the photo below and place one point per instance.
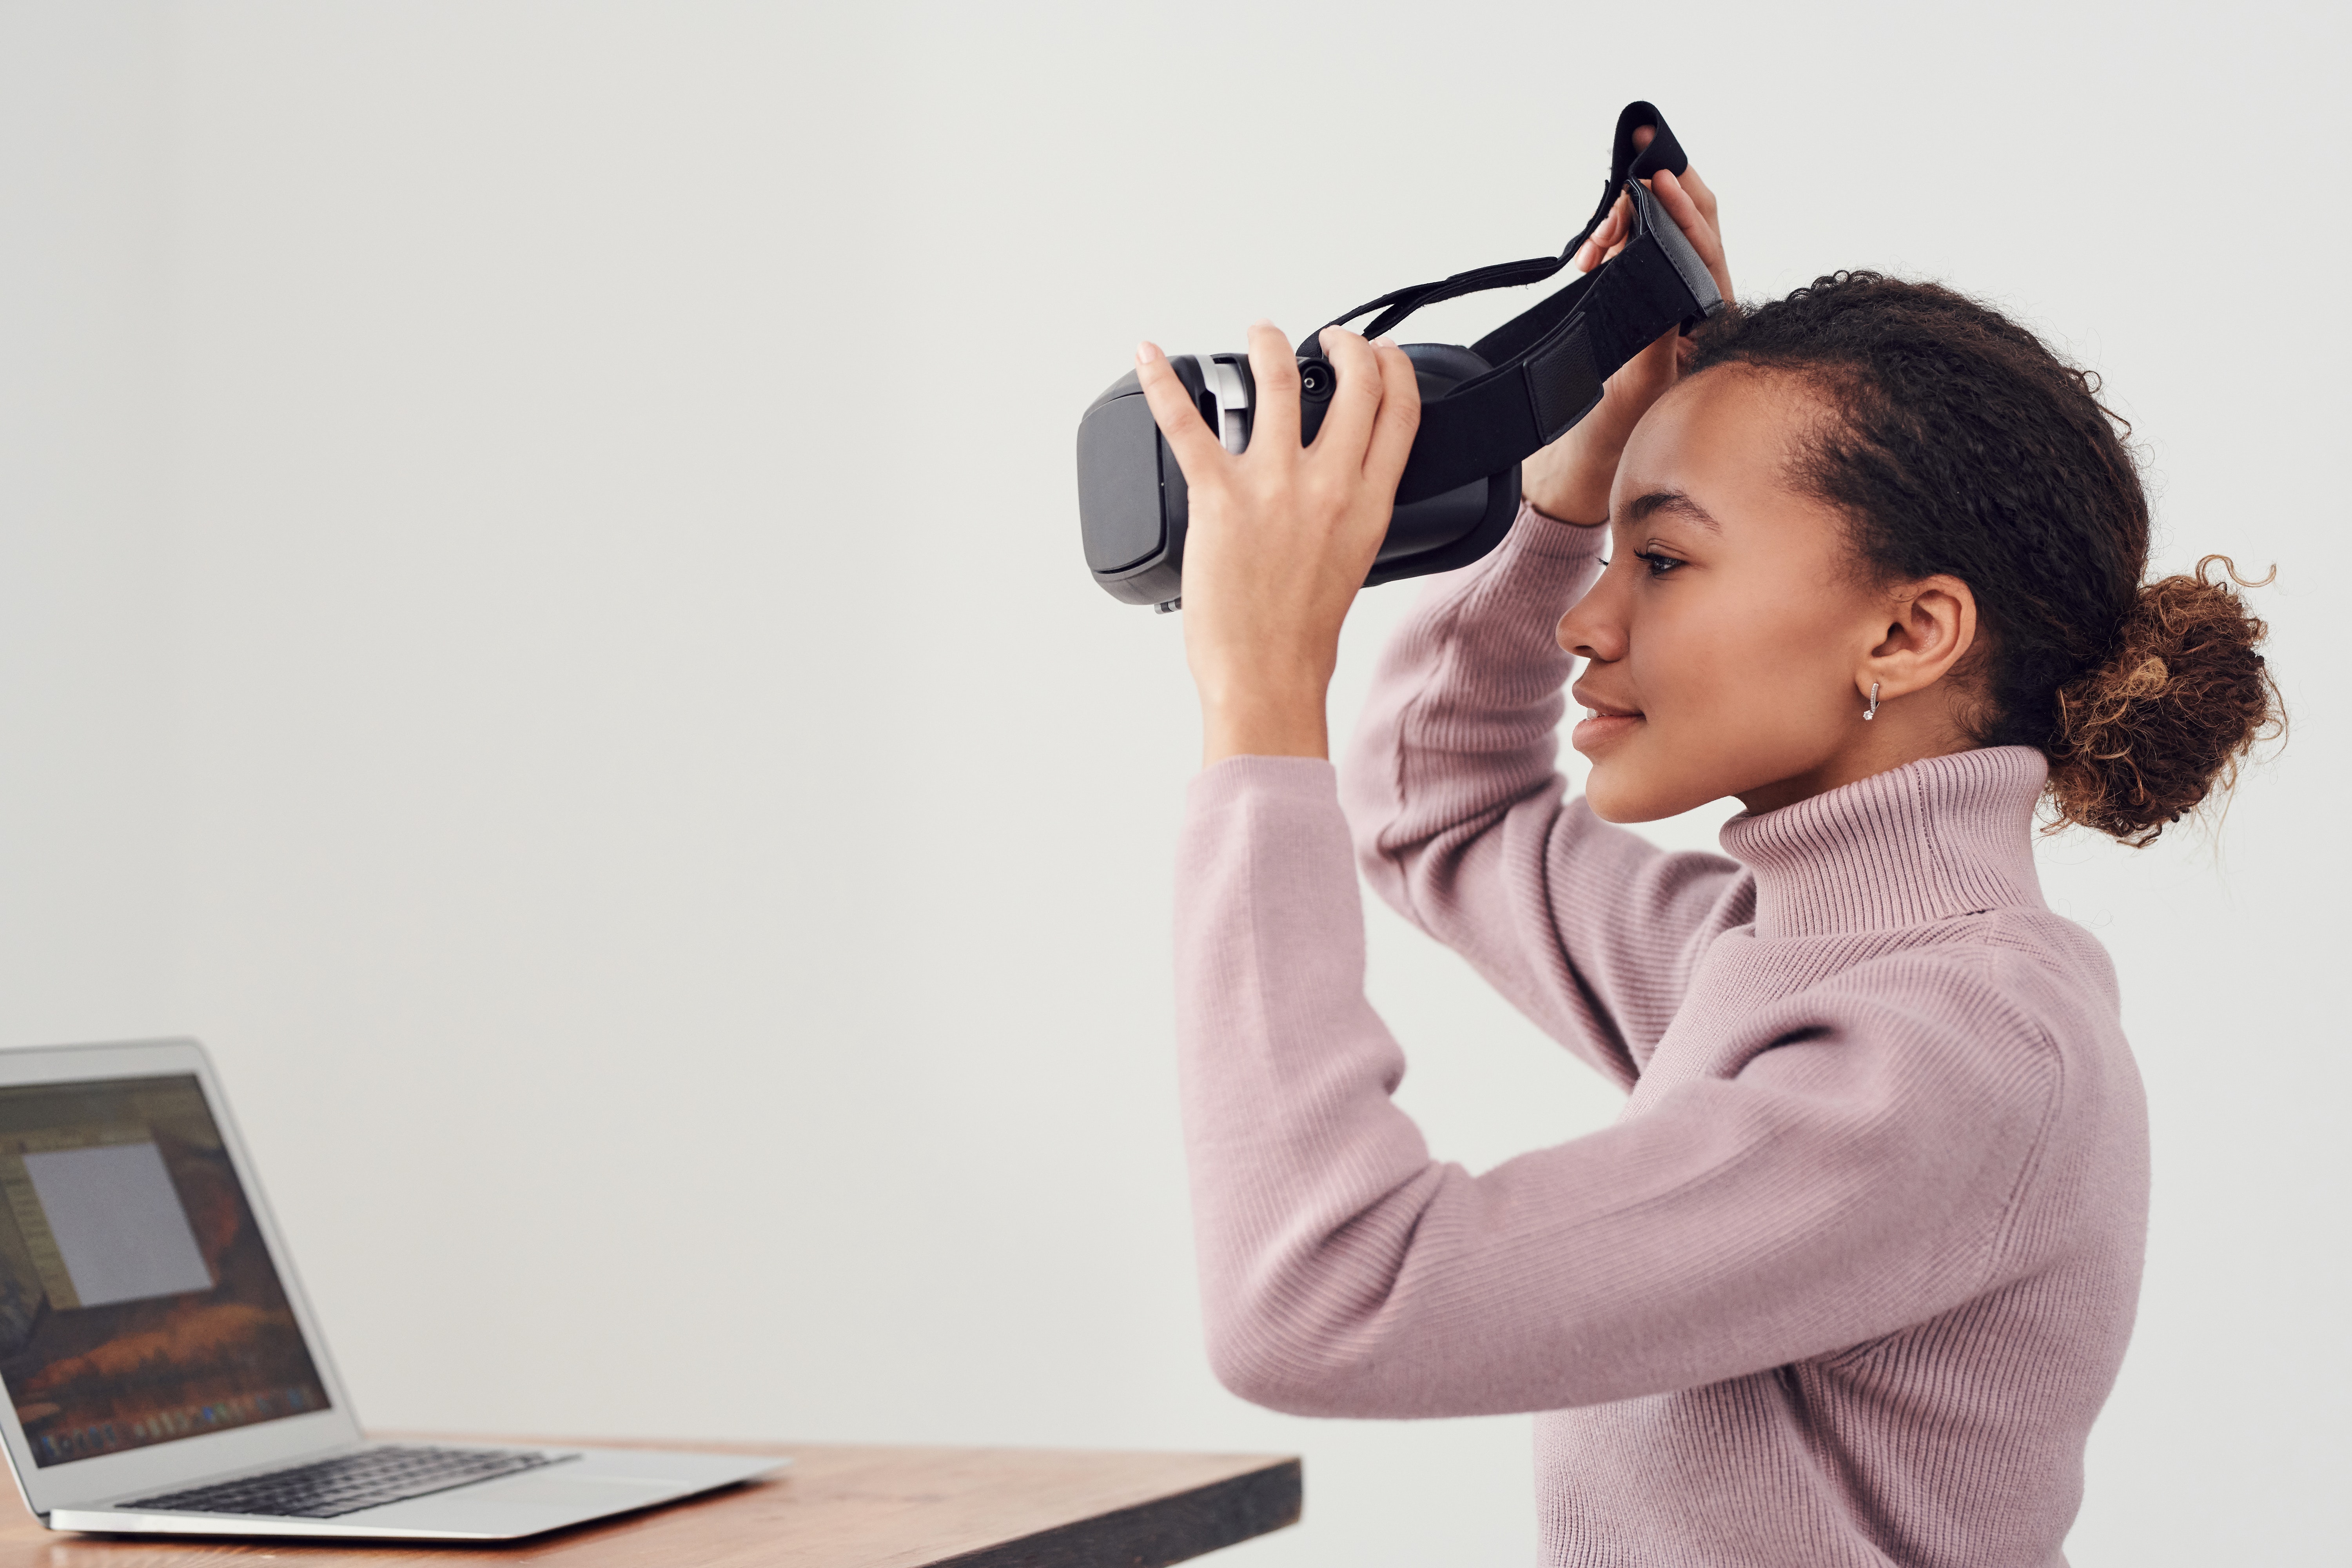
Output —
(1499, 510)
(1443, 531)
(1440, 366)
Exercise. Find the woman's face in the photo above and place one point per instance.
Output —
(1729, 641)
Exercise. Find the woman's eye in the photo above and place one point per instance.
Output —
(1659, 566)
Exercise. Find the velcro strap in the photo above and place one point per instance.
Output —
(1624, 165)
(1563, 383)
(1549, 363)
(1482, 426)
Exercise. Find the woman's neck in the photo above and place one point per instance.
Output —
(1908, 730)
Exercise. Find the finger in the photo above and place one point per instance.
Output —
(1610, 231)
(1621, 227)
(1681, 206)
(1588, 255)
(1399, 418)
(1274, 367)
(1684, 210)
(1703, 194)
(1643, 136)
(1348, 426)
(1198, 451)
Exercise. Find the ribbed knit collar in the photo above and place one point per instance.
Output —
(1924, 842)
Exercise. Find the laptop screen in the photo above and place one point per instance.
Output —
(137, 1303)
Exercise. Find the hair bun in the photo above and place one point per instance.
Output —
(2183, 696)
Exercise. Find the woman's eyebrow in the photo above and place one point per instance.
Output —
(1645, 505)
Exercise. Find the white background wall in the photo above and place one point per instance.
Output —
(540, 614)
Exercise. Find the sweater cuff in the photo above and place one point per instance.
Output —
(1309, 780)
(1555, 539)
(1542, 566)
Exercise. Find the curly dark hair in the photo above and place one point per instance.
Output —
(1958, 444)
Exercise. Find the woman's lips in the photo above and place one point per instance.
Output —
(1604, 723)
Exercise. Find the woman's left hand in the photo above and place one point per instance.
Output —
(1569, 479)
(1282, 536)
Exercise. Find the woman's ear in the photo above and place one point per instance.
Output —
(1931, 623)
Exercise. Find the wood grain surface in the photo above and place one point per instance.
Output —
(836, 1506)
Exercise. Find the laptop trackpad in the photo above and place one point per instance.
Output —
(525, 1504)
(604, 1493)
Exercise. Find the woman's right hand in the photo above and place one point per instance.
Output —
(1282, 534)
(1569, 479)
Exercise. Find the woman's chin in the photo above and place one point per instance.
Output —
(1613, 796)
(1618, 790)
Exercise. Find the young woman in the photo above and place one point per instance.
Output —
(1851, 1275)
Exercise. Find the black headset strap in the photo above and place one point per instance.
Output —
(1550, 361)
(1624, 164)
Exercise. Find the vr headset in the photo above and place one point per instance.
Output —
(1483, 407)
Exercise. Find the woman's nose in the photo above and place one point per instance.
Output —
(1589, 630)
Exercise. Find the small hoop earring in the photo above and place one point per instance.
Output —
(1871, 711)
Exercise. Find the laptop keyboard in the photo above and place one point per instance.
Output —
(368, 1479)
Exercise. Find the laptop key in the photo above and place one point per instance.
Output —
(327, 1488)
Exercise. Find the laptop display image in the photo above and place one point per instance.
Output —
(138, 1303)
(163, 1375)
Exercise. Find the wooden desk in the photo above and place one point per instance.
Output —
(836, 1507)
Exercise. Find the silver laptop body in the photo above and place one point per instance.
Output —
(163, 1373)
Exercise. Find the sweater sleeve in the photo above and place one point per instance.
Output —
(1461, 822)
(1848, 1172)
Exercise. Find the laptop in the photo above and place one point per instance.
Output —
(164, 1373)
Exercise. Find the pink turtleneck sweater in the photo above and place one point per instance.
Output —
(1850, 1276)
